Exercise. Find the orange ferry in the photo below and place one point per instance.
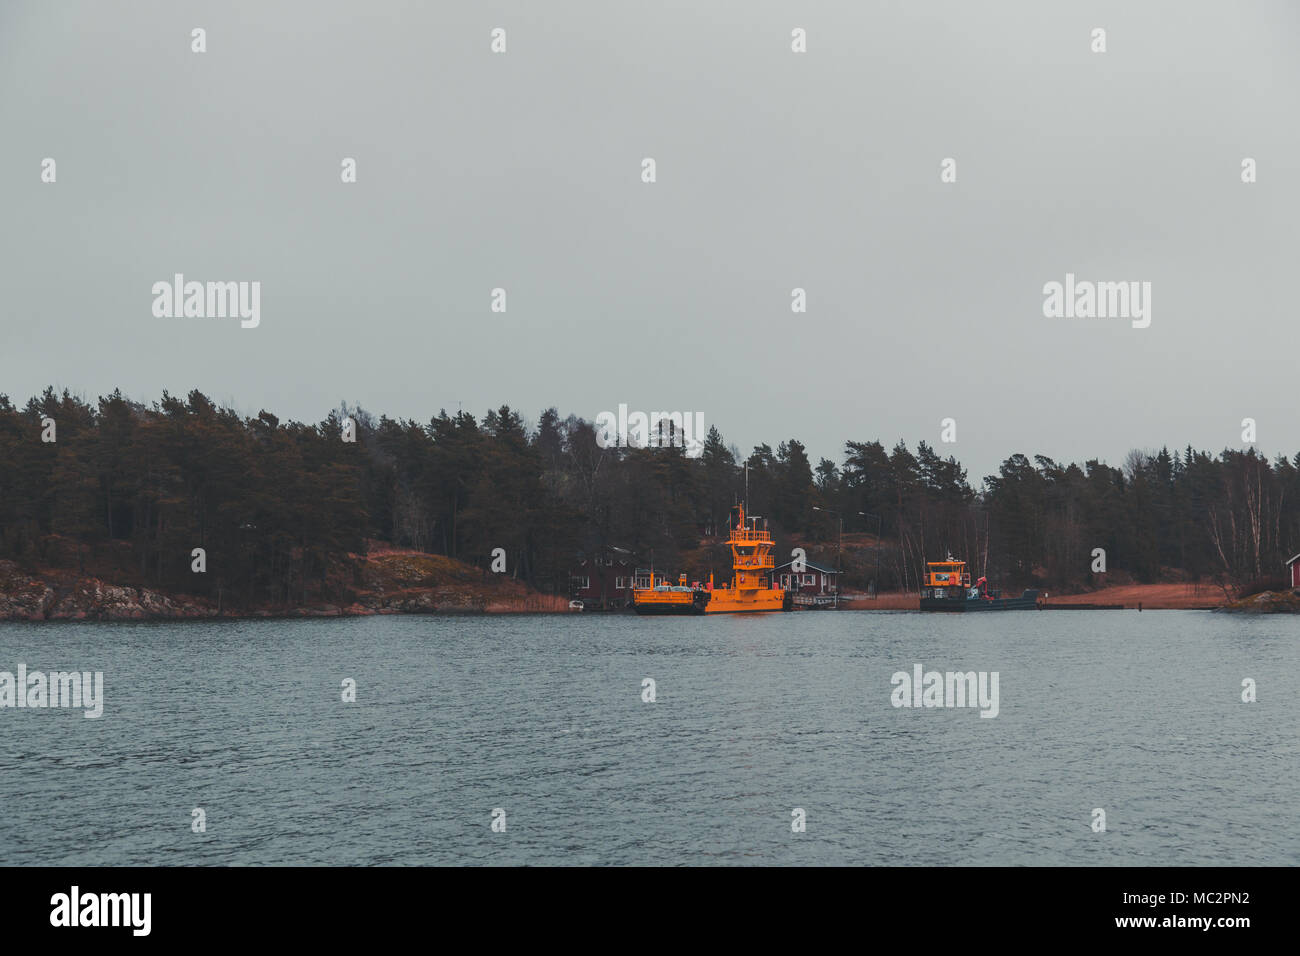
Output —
(751, 557)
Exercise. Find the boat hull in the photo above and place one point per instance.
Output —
(721, 601)
(1026, 602)
(653, 609)
(726, 601)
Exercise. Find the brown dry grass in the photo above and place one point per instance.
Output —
(1150, 596)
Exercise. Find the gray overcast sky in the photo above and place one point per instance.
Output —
(775, 170)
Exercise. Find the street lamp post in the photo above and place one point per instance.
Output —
(875, 584)
(839, 549)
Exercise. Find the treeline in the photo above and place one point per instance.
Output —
(282, 510)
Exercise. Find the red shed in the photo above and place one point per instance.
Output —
(1294, 567)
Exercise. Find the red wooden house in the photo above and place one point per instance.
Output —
(605, 580)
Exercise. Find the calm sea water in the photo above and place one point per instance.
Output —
(1139, 714)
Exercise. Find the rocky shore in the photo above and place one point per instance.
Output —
(1266, 602)
(394, 583)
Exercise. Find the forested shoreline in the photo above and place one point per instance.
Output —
(284, 509)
